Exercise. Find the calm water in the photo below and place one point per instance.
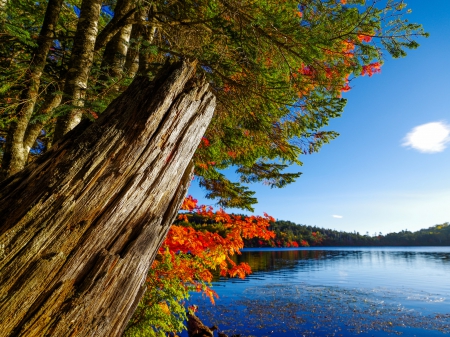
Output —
(336, 292)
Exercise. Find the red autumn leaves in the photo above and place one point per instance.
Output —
(194, 252)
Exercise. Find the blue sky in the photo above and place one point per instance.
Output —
(367, 180)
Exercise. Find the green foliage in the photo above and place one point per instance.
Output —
(162, 308)
(268, 110)
(269, 173)
(277, 68)
(228, 194)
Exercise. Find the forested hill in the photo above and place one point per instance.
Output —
(289, 234)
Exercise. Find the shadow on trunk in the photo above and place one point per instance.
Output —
(81, 225)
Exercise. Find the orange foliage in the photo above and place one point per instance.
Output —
(304, 243)
(348, 46)
(364, 38)
(371, 69)
(195, 252)
(189, 203)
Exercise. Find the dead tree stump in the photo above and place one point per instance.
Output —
(81, 225)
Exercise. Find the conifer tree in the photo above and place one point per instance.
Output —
(276, 68)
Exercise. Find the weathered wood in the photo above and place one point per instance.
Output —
(81, 225)
(196, 328)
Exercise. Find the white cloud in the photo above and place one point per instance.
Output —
(428, 138)
(337, 216)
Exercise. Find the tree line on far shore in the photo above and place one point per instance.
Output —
(289, 234)
(201, 246)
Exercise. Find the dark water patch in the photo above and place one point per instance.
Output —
(376, 292)
(304, 310)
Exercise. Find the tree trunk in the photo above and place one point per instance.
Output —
(123, 16)
(116, 49)
(52, 100)
(131, 65)
(81, 225)
(147, 34)
(3, 4)
(140, 32)
(79, 66)
(114, 57)
(16, 154)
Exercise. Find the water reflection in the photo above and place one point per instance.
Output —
(338, 291)
(268, 260)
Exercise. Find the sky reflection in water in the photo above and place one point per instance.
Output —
(342, 291)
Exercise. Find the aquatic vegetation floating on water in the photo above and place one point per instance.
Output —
(280, 309)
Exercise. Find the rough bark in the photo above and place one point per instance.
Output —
(51, 101)
(16, 153)
(196, 328)
(116, 49)
(115, 54)
(123, 16)
(3, 4)
(81, 225)
(147, 33)
(132, 60)
(80, 65)
(136, 60)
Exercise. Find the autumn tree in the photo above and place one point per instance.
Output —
(276, 69)
(201, 243)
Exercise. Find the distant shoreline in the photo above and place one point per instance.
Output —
(343, 246)
(292, 235)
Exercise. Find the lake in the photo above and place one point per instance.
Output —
(329, 291)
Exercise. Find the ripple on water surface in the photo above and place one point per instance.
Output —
(336, 292)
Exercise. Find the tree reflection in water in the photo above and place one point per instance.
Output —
(337, 292)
